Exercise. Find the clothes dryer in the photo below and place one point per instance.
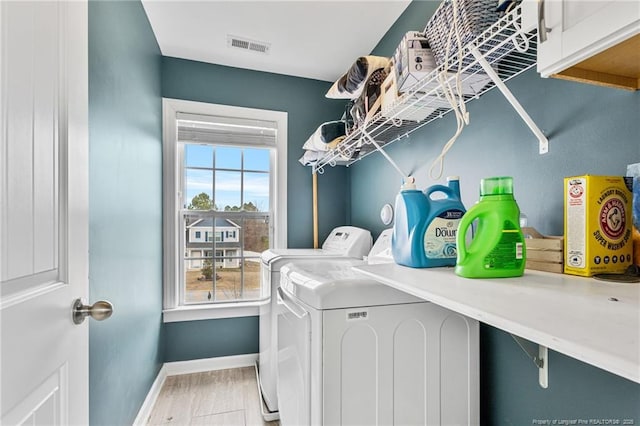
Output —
(342, 242)
(352, 350)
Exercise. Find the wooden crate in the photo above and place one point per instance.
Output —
(544, 253)
(416, 107)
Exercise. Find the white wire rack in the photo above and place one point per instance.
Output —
(500, 53)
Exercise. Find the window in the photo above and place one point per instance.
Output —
(227, 169)
(226, 190)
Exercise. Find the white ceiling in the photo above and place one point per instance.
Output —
(315, 39)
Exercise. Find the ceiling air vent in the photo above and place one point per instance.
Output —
(247, 44)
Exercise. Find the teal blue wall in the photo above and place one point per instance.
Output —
(511, 395)
(591, 130)
(125, 209)
(304, 101)
(211, 338)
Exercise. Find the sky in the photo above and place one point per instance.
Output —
(199, 170)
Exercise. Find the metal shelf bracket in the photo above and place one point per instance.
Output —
(540, 358)
(379, 148)
(543, 142)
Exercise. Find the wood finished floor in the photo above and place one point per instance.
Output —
(218, 398)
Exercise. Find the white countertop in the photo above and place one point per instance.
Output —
(571, 315)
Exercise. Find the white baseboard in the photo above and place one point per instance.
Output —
(210, 364)
(188, 367)
(145, 411)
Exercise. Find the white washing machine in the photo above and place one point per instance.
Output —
(342, 242)
(354, 351)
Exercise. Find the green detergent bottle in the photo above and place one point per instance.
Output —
(497, 250)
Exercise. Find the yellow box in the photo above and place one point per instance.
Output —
(597, 224)
(633, 171)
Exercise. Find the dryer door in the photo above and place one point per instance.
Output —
(294, 362)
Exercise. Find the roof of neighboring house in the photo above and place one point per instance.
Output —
(208, 223)
(209, 245)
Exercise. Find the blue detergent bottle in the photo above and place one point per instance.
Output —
(425, 228)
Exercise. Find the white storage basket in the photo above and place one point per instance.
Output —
(472, 17)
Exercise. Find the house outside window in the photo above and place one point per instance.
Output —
(226, 174)
(226, 192)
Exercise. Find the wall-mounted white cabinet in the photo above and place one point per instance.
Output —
(595, 41)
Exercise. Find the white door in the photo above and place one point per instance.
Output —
(43, 212)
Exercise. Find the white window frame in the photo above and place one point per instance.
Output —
(173, 310)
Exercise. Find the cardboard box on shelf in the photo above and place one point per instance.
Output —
(597, 224)
(412, 60)
(415, 108)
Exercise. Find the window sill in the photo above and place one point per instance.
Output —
(205, 312)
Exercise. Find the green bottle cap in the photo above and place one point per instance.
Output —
(502, 185)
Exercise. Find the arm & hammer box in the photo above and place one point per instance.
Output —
(597, 224)
(633, 171)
